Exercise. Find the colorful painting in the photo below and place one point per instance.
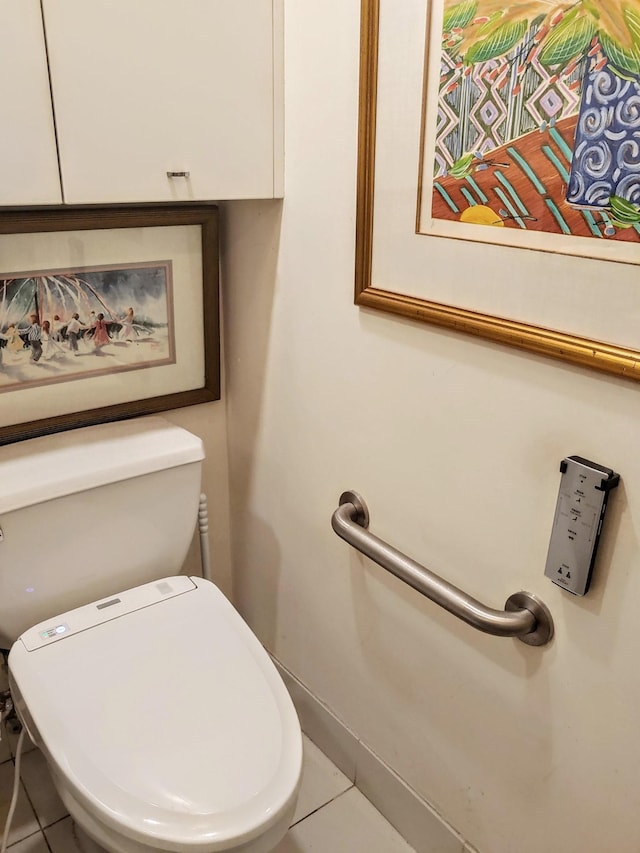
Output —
(538, 118)
(59, 325)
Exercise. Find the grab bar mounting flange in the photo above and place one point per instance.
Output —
(544, 621)
(361, 514)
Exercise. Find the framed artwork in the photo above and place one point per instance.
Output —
(499, 172)
(105, 315)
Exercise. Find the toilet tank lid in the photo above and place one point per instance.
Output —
(42, 469)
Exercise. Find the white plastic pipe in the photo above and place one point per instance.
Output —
(203, 529)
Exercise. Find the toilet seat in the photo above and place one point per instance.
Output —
(163, 715)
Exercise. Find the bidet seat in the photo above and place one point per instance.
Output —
(161, 716)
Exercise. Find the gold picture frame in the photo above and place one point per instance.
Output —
(613, 358)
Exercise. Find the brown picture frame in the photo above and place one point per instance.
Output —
(606, 357)
(205, 218)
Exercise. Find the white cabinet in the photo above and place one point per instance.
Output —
(28, 161)
(143, 88)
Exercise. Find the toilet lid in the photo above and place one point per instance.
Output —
(164, 713)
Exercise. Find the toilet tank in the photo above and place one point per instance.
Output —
(88, 513)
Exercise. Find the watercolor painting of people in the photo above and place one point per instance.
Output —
(59, 325)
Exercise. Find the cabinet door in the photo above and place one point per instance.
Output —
(146, 87)
(28, 158)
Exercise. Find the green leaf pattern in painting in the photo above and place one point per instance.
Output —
(501, 40)
(624, 213)
(459, 15)
(568, 40)
(625, 61)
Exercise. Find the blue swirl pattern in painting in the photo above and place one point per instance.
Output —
(606, 153)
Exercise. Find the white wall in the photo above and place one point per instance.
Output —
(455, 444)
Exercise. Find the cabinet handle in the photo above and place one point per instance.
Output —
(178, 174)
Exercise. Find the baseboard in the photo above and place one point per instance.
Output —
(414, 818)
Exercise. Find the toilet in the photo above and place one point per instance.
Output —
(163, 721)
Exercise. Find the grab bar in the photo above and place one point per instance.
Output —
(524, 616)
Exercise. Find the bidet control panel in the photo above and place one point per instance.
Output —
(577, 525)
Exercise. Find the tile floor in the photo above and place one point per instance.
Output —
(332, 816)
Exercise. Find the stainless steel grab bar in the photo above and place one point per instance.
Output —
(524, 616)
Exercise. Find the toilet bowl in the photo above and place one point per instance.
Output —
(163, 721)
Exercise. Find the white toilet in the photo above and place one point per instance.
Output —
(163, 720)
